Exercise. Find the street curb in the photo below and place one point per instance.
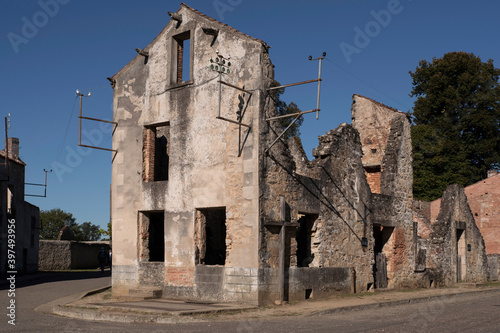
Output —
(416, 300)
(113, 314)
(97, 315)
(104, 313)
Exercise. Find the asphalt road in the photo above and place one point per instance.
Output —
(479, 313)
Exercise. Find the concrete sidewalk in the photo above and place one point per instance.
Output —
(99, 306)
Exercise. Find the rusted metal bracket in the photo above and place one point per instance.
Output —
(44, 185)
(93, 119)
(298, 114)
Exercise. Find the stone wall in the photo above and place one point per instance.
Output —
(484, 201)
(397, 182)
(373, 121)
(329, 198)
(455, 234)
(494, 266)
(65, 255)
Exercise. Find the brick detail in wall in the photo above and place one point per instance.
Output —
(484, 202)
(179, 276)
(373, 180)
(399, 249)
(148, 154)
(180, 52)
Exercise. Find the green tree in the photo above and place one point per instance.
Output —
(87, 232)
(285, 109)
(53, 221)
(456, 132)
(106, 233)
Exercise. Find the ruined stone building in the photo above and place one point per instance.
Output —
(15, 211)
(205, 206)
(483, 200)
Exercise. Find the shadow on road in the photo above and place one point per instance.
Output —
(52, 276)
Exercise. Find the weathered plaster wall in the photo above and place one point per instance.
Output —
(212, 163)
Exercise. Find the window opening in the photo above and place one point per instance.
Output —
(183, 56)
(303, 236)
(152, 234)
(156, 153)
(210, 236)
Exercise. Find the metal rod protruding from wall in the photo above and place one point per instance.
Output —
(79, 94)
(44, 185)
(319, 80)
(93, 119)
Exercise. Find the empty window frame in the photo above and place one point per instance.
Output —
(152, 236)
(304, 237)
(10, 199)
(210, 236)
(156, 152)
(182, 57)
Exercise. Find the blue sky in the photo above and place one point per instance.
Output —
(50, 48)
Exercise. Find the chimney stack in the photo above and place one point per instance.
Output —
(13, 147)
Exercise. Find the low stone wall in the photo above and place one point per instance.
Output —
(304, 283)
(65, 255)
(54, 255)
(494, 266)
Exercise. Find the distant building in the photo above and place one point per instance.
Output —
(14, 210)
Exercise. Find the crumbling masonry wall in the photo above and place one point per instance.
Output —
(455, 221)
(332, 192)
(373, 121)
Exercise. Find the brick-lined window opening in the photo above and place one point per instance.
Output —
(210, 236)
(183, 55)
(152, 236)
(156, 153)
(373, 174)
